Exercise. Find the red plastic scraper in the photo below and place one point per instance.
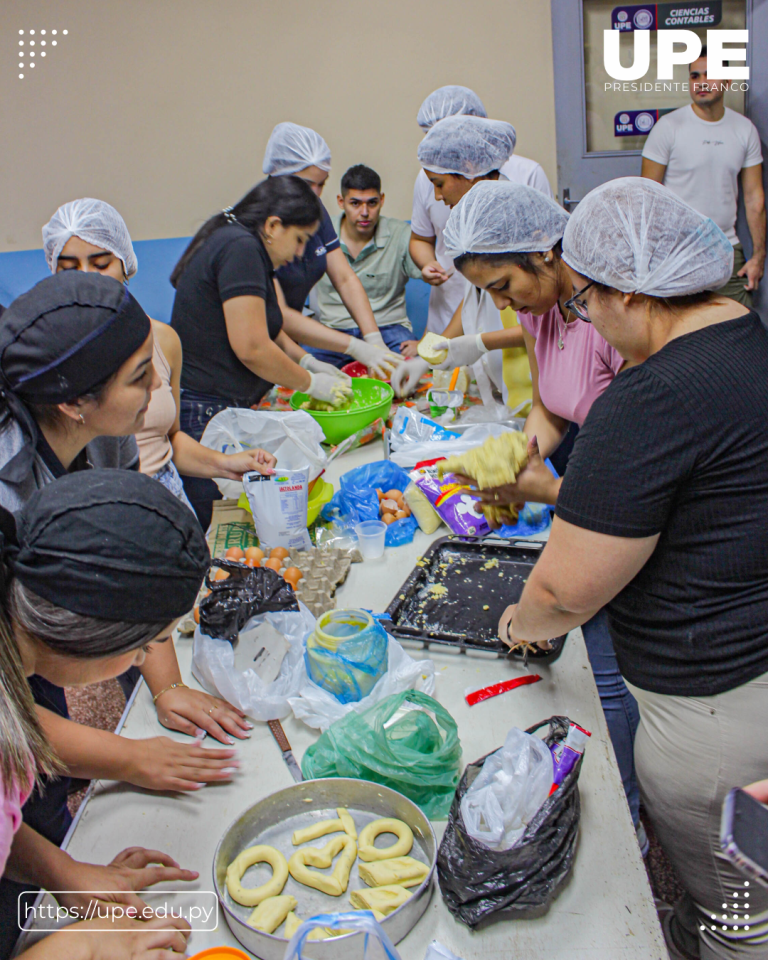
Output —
(495, 689)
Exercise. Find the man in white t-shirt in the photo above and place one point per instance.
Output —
(698, 152)
(430, 216)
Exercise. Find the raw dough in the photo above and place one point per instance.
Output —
(405, 871)
(271, 912)
(498, 461)
(427, 351)
(334, 885)
(345, 824)
(402, 831)
(259, 854)
(384, 899)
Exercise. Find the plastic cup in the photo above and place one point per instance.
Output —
(370, 538)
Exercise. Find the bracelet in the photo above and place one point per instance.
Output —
(171, 686)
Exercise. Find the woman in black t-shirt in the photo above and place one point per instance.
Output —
(662, 519)
(228, 318)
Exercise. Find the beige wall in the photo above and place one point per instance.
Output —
(163, 107)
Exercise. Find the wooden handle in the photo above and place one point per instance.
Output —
(279, 734)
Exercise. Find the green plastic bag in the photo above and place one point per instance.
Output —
(407, 742)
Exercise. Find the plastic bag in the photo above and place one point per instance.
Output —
(408, 742)
(407, 455)
(356, 500)
(319, 709)
(477, 883)
(213, 665)
(533, 518)
(346, 654)
(356, 920)
(436, 951)
(278, 503)
(453, 502)
(246, 593)
(293, 436)
(410, 426)
(512, 785)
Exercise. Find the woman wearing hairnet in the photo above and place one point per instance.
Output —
(90, 235)
(505, 239)
(299, 151)
(457, 154)
(430, 215)
(661, 516)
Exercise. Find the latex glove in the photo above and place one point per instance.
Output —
(324, 386)
(406, 377)
(462, 351)
(374, 353)
(313, 365)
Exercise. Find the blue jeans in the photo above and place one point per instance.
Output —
(393, 335)
(196, 411)
(619, 706)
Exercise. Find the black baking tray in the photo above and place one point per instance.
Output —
(477, 574)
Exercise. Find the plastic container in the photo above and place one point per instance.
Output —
(370, 538)
(371, 399)
(347, 654)
(221, 953)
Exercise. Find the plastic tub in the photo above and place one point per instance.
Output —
(372, 399)
(370, 538)
(220, 953)
(346, 654)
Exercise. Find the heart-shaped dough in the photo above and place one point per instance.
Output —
(260, 854)
(334, 885)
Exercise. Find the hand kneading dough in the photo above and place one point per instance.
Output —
(383, 899)
(497, 462)
(271, 912)
(368, 834)
(427, 351)
(344, 824)
(334, 885)
(259, 854)
(405, 871)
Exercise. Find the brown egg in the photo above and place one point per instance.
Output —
(400, 514)
(221, 575)
(379, 494)
(292, 575)
(197, 614)
(252, 563)
(406, 510)
(279, 553)
(388, 518)
(394, 495)
(389, 506)
(254, 553)
(274, 564)
(234, 553)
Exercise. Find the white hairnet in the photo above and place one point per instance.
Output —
(469, 146)
(449, 101)
(95, 222)
(292, 148)
(635, 235)
(499, 216)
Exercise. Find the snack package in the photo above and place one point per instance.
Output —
(279, 506)
(452, 500)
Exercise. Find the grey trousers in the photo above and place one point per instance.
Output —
(689, 752)
(734, 286)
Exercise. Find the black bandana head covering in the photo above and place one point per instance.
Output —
(111, 543)
(66, 335)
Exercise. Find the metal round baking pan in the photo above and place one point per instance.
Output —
(273, 820)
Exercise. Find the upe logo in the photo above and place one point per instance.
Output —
(668, 56)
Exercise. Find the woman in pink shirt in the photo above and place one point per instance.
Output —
(505, 238)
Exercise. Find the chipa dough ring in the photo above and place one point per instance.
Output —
(401, 830)
(272, 888)
(334, 885)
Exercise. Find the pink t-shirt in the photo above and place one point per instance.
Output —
(11, 801)
(571, 379)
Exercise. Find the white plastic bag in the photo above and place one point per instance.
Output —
(293, 436)
(410, 426)
(505, 795)
(376, 945)
(213, 665)
(436, 951)
(409, 454)
(319, 709)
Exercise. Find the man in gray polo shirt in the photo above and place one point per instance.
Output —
(377, 250)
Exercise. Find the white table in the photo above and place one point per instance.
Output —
(605, 912)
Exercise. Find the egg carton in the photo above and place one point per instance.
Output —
(324, 570)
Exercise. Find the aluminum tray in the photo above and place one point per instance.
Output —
(273, 820)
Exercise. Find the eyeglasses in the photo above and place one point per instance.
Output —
(578, 307)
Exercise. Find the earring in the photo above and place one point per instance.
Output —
(269, 240)
(82, 419)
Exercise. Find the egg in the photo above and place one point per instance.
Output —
(254, 553)
(252, 563)
(221, 575)
(292, 575)
(234, 553)
(379, 494)
(388, 518)
(400, 514)
(279, 553)
(197, 614)
(394, 495)
(389, 506)
(274, 564)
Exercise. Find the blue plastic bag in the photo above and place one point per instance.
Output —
(356, 500)
(533, 518)
(360, 659)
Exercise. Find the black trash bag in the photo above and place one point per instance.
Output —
(477, 882)
(247, 592)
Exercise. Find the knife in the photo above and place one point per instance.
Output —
(282, 741)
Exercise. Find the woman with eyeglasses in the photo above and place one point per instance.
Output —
(661, 520)
(505, 238)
